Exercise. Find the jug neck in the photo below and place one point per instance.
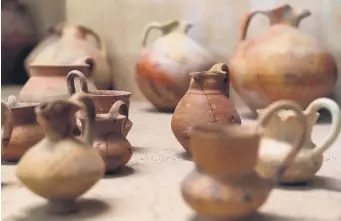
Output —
(176, 26)
(210, 82)
(286, 14)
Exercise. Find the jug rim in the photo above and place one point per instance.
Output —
(108, 93)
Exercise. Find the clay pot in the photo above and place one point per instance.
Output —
(286, 126)
(110, 140)
(163, 67)
(282, 63)
(18, 37)
(225, 183)
(102, 99)
(48, 82)
(66, 45)
(60, 167)
(20, 129)
(206, 101)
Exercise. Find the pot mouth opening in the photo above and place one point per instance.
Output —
(232, 131)
(207, 73)
(13, 103)
(108, 93)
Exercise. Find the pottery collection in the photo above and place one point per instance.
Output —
(224, 183)
(284, 76)
(286, 126)
(66, 45)
(163, 67)
(206, 101)
(61, 167)
(282, 63)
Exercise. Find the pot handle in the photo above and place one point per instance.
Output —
(164, 27)
(264, 119)
(6, 117)
(70, 80)
(117, 109)
(335, 112)
(58, 29)
(84, 102)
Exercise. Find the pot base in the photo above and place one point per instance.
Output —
(62, 206)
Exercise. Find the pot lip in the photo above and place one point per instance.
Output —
(207, 73)
(108, 93)
(58, 65)
(227, 131)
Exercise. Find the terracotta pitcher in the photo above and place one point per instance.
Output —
(18, 37)
(61, 167)
(282, 63)
(67, 44)
(48, 82)
(103, 99)
(285, 126)
(224, 183)
(163, 67)
(206, 101)
(20, 129)
(110, 140)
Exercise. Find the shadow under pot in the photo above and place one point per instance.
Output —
(206, 101)
(48, 82)
(109, 137)
(20, 129)
(102, 99)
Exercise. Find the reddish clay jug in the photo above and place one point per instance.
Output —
(282, 63)
(109, 136)
(18, 37)
(163, 67)
(20, 129)
(206, 101)
(66, 45)
(48, 82)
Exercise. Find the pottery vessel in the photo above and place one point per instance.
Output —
(20, 129)
(285, 126)
(163, 67)
(102, 99)
(110, 139)
(61, 167)
(67, 44)
(48, 82)
(224, 183)
(18, 37)
(206, 101)
(282, 63)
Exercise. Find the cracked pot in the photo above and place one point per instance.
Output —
(206, 101)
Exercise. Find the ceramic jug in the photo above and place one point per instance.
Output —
(48, 82)
(103, 99)
(67, 44)
(282, 63)
(206, 101)
(224, 183)
(110, 140)
(285, 126)
(20, 129)
(163, 67)
(18, 37)
(61, 167)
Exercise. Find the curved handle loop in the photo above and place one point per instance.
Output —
(264, 119)
(70, 80)
(335, 112)
(164, 27)
(58, 29)
(246, 22)
(84, 102)
(117, 109)
(6, 117)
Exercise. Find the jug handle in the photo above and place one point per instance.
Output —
(58, 29)
(268, 113)
(85, 102)
(70, 80)
(6, 116)
(119, 108)
(335, 112)
(276, 15)
(165, 28)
